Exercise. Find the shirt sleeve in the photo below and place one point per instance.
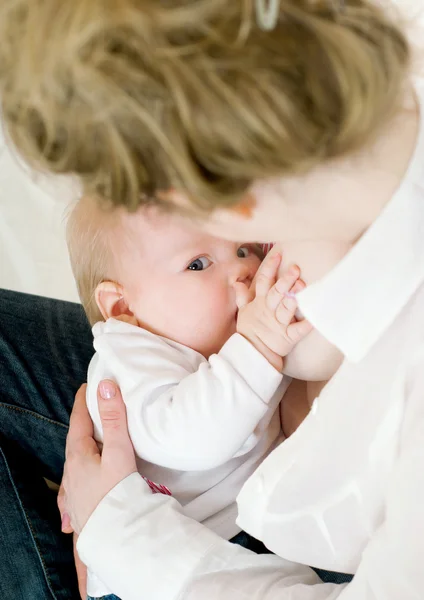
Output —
(189, 415)
(142, 545)
(170, 556)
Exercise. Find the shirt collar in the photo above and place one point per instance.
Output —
(357, 301)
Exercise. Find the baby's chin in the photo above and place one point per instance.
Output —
(313, 359)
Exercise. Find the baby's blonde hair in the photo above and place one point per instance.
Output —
(90, 231)
(138, 96)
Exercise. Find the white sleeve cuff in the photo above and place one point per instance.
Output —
(128, 533)
(257, 372)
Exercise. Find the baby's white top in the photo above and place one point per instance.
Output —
(200, 427)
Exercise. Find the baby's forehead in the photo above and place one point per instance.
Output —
(158, 230)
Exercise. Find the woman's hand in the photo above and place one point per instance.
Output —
(90, 474)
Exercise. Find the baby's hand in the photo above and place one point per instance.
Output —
(268, 321)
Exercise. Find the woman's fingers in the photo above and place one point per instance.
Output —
(117, 447)
(61, 499)
(88, 475)
(80, 435)
(66, 526)
(267, 274)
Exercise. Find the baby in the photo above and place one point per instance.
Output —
(198, 359)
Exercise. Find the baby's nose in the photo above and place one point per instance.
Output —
(247, 279)
(243, 274)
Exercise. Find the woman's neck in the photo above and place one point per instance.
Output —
(383, 166)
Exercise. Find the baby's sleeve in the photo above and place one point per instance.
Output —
(185, 412)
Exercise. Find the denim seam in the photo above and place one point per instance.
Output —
(43, 565)
(33, 414)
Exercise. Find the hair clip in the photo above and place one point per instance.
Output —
(267, 12)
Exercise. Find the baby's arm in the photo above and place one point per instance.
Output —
(185, 412)
(268, 321)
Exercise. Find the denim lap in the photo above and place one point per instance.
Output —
(108, 597)
(45, 348)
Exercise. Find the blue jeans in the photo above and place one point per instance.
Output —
(45, 349)
(108, 597)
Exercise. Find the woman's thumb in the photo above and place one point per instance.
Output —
(113, 415)
(64, 516)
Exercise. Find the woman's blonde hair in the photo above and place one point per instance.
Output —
(138, 96)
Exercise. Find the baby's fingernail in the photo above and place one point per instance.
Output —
(107, 389)
(290, 295)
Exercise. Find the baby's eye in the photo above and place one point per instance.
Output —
(200, 264)
(243, 252)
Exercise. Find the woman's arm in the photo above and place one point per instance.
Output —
(141, 543)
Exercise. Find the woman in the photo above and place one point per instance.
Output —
(311, 130)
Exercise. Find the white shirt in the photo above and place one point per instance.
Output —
(346, 491)
(199, 427)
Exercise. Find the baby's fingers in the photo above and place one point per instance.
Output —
(243, 294)
(298, 286)
(298, 330)
(283, 289)
(286, 310)
(267, 274)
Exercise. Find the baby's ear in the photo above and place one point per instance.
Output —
(111, 301)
